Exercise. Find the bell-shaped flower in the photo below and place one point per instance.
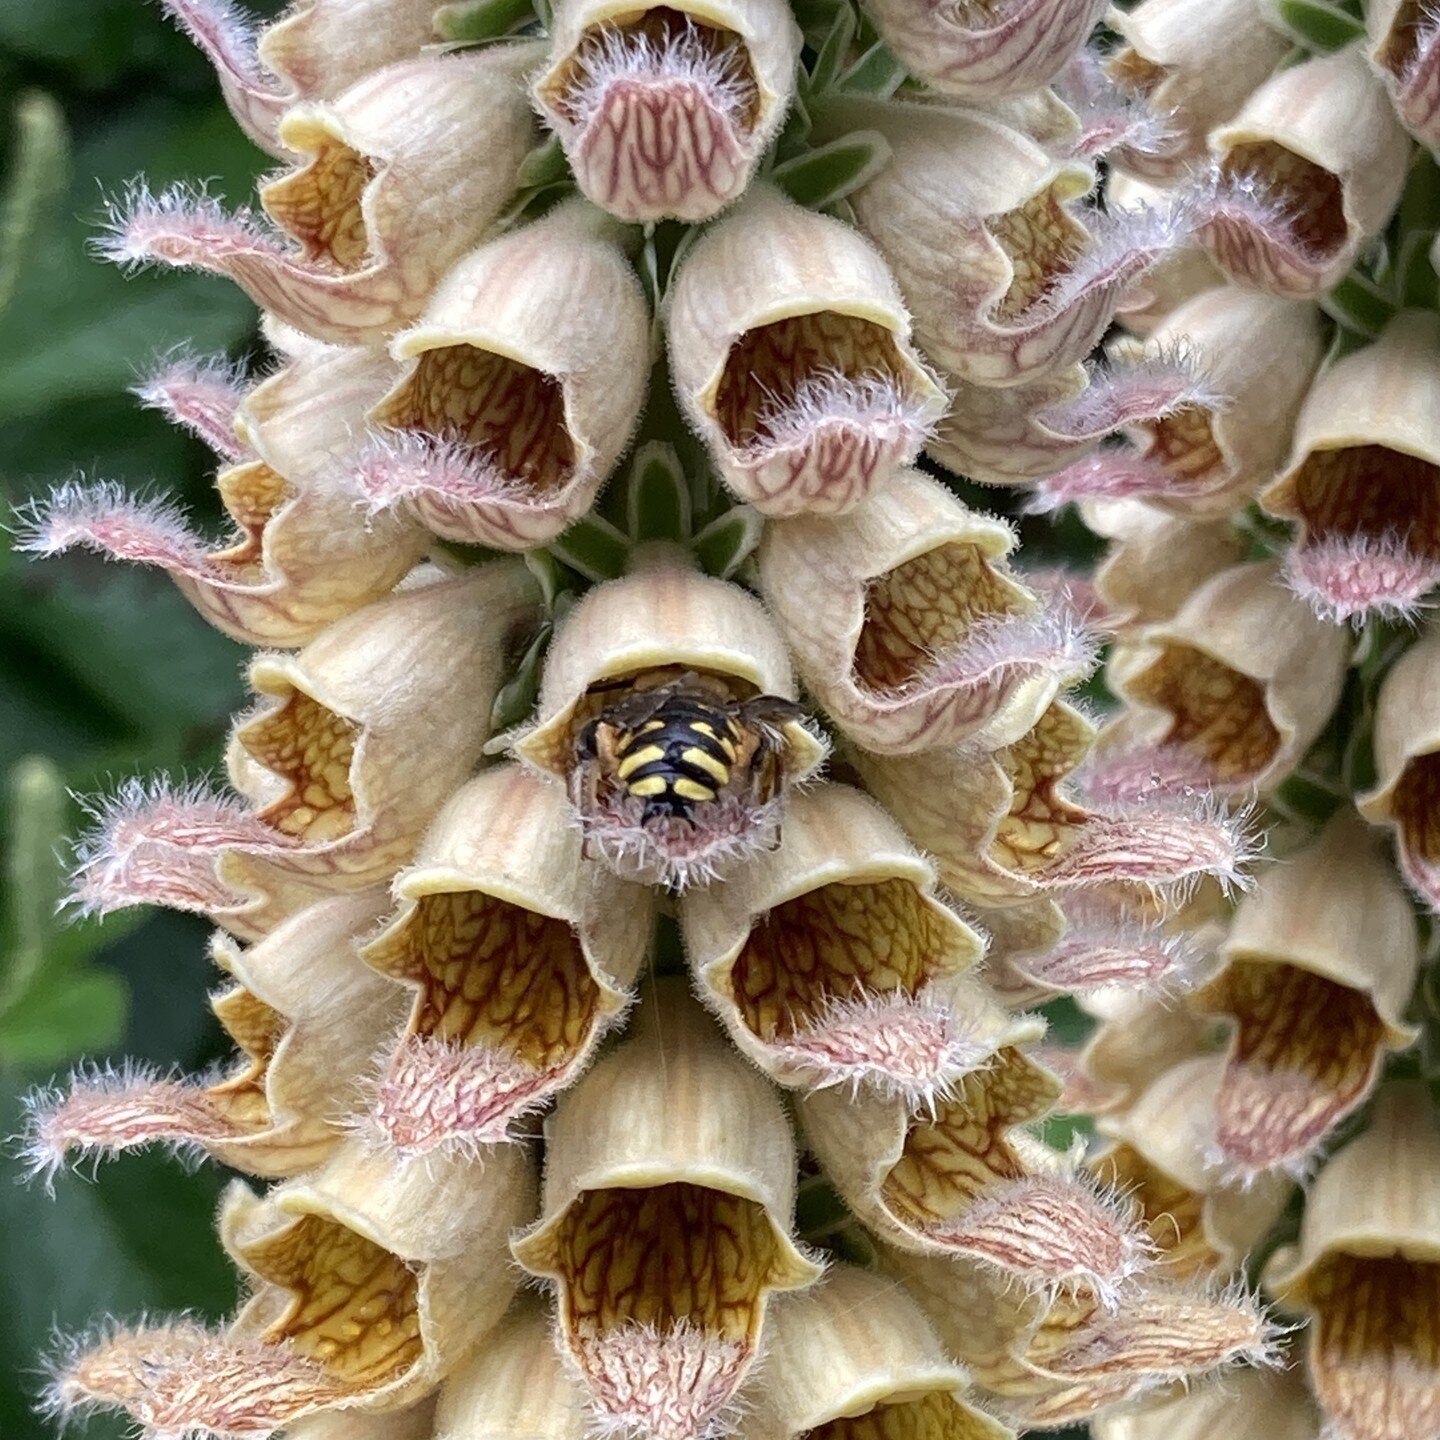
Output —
(1366, 1273)
(854, 1358)
(666, 1222)
(962, 1177)
(1228, 694)
(663, 111)
(1315, 976)
(828, 959)
(1195, 62)
(1161, 1152)
(301, 555)
(1306, 173)
(907, 625)
(987, 52)
(668, 648)
(1004, 822)
(799, 374)
(1046, 1360)
(305, 1016)
(519, 956)
(1363, 483)
(358, 741)
(519, 387)
(398, 177)
(369, 1282)
(1406, 795)
(1405, 49)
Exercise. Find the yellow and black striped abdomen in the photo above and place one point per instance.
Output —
(678, 758)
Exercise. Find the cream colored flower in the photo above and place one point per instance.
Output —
(519, 956)
(828, 959)
(799, 374)
(1257, 1404)
(301, 556)
(1403, 49)
(651, 647)
(664, 110)
(666, 1222)
(1308, 171)
(1363, 482)
(399, 176)
(907, 625)
(368, 1285)
(356, 743)
(305, 1016)
(1316, 974)
(1366, 1272)
(1406, 796)
(519, 387)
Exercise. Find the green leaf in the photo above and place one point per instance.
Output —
(544, 165)
(1359, 305)
(834, 50)
(66, 1016)
(595, 548)
(1319, 26)
(34, 184)
(724, 545)
(34, 872)
(657, 495)
(876, 73)
(516, 699)
(470, 22)
(833, 171)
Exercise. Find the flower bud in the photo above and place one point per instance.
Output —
(827, 959)
(1317, 971)
(306, 1017)
(314, 51)
(1403, 48)
(1161, 1153)
(301, 556)
(369, 1284)
(907, 626)
(1181, 275)
(1308, 171)
(664, 111)
(854, 1356)
(519, 954)
(1364, 477)
(1008, 280)
(1155, 561)
(1257, 354)
(986, 53)
(358, 741)
(1003, 824)
(799, 374)
(1249, 1403)
(1195, 62)
(668, 644)
(1049, 1360)
(1406, 796)
(1366, 1272)
(400, 176)
(961, 1177)
(519, 387)
(516, 1387)
(666, 1222)
(1229, 694)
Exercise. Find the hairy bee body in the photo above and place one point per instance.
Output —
(681, 745)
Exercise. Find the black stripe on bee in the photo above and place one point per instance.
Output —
(679, 757)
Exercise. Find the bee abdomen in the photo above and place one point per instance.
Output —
(673, 762)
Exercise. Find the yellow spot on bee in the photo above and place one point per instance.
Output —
(650, 786)
(636, 758)
(710, 764)
(690, 790)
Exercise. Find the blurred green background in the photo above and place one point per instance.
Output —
(104, 671)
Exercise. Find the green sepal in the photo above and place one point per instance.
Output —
(36, 180)
(516, 698)
(828, 174)
(544, 165)
(547, 571)
(725, 544)
(1359, 305)
(1319, 26)
(472, 22)
(594, 548)
(657, 496)
(833, 51)
(877, 74)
